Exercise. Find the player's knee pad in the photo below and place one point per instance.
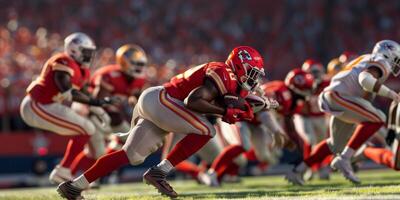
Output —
(138, 154)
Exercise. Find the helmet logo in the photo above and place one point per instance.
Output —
(388, 46)
(76, 41)
(244, 56)
(299, 80)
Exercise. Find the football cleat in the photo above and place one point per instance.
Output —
(214, 178)
(344, 166)
(157, 178)
(295, 178)
(324, 173)
(68, 191)
(60, 174)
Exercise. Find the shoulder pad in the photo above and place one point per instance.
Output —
(223, 77)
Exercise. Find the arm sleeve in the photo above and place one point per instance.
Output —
(62, 65)
(367, 82)
(215, 75)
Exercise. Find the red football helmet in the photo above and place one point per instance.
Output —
(314, 67)
(247, 64)
(300, 82)
(347, 56)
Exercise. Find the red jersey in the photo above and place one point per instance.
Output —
(44, 89)
(224, 79)
(311, 107)
(280, 92)
(112, 78)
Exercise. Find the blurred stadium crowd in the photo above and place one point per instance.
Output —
(178, 33)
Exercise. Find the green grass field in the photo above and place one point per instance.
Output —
(377, 184)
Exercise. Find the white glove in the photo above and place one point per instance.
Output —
(100, 119)
(271, 103)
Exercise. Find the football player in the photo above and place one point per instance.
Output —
(289, 94)
(353, 117)
(311, 122)
(179, 106)
(62, 78)
(125, 80)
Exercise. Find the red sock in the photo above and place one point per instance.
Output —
(380, 156)
(225, 158)
(188, 168)
(81, 162)
(106, 164)
(263, 165)
(233, 169)
(362, 133)
(251, 155)
(110, 150)
(189, 145)
(74, 147)
(320, 152)
(306, 149)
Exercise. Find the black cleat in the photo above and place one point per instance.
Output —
(68, 191)
(157, 178)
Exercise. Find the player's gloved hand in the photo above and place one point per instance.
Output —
(271, 103)
(100, 119)
(391, 135)
(394, 96)
(232, 115)
(104, 101)
(248, 114)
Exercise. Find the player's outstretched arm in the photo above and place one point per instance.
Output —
(368, 79)
(63, 82)
(200, 99)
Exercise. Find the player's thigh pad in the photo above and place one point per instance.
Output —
(144, 139)
(352, 109)
(55, 117)
(340, 134)
(171, 114)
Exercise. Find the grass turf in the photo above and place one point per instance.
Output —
(376, 184)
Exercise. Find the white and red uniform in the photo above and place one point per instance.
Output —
(311, 123)
(42, 107)
(112, 78)
(161, 109)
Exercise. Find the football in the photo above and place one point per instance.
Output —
(256, 102)
(234, 101)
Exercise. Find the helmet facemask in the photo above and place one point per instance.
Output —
(135, 63)
(395, 63)
(251, 78)
(87, 55)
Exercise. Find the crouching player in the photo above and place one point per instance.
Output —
(124, 80)
(62, 78)
(179, 106)
(353, 117)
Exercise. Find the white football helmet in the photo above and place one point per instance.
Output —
(391, 51)
(80, 47)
